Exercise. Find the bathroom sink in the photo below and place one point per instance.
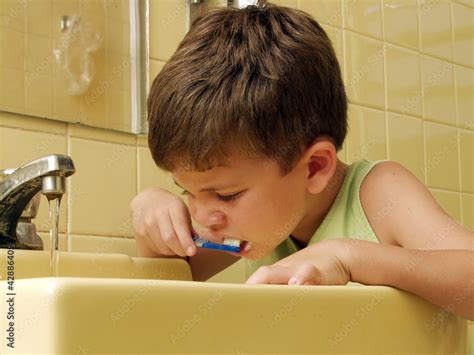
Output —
(35, 263)
(106, 310)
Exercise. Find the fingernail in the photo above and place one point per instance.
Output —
(293, 281)
(190, 251)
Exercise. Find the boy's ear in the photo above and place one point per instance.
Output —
(321, 162)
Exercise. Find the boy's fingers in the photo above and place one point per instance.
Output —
(168, 235)
(154, 239)
(274, 274)
(306, 274)
(149, 233)
(181, 225)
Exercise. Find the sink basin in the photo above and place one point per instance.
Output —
(106, 310)
(33, 263)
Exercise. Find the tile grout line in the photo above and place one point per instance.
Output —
(384, 51)
(458, 136)
(423, 130)
(400, 46)
(343, 74)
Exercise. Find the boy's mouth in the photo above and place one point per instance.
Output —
(245, 247)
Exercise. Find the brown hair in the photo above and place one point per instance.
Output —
(263, 81)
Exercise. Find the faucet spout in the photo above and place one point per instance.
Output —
(46, 174)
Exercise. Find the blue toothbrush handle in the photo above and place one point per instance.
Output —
(203, 243)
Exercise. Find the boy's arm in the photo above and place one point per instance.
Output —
(442, 277)
(403, 213)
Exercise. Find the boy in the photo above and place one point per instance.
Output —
(248, 115)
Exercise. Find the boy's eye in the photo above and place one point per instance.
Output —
(225, 198)
(228, 198)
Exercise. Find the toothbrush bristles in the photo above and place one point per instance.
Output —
(232, 242)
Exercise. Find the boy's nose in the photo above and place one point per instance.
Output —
(213, 220)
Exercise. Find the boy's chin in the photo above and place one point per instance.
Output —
(257, 254)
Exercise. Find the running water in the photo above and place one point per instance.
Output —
(54, 203)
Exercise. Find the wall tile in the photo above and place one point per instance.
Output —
(149, 175)
(12, 14)
(405, 143)
(80, 131)
(325, 11)
(39, 96)
(12, 99)
(167, 28)
(287, 3)
(442, 169)
(403, 81)
(65, 106)
(463, 23)
(435, 27)
(469, 3)
(106, 177)
(100, 245)
(438, 91)
(63, 242)
(363, 70)
(38, 55)
(142, 140)
(12, 48)
(466, 149)
(366, 138)
(465, 96)
(118, 110)
(335, 35)
(13, 120)
(401, 22)
(33, 145)
(117, 71)
(467, 201)
(450, 202)
(364, 17)
(39, 17)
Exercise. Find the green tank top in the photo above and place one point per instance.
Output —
(346, 218)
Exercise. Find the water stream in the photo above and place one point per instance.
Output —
(54, 203)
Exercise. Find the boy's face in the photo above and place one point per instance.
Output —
(247, 199)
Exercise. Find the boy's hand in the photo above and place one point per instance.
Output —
(162, 224)
(323, 263)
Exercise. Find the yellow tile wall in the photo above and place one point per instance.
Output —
(30, 80)
(409, 74)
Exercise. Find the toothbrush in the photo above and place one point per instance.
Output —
(232, 245)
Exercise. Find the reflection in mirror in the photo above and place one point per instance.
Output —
(75, 61)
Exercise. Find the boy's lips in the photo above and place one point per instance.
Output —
(245, 247)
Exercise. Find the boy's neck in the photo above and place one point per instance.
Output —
(319, 206)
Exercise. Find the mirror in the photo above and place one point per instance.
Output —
(82, 61)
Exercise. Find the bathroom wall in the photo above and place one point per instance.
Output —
(408, 69)
(32, 83)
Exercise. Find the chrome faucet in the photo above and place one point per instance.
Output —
(19, 198)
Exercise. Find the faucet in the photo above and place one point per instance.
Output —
(19, 198)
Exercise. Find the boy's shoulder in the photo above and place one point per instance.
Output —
(403, 212)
